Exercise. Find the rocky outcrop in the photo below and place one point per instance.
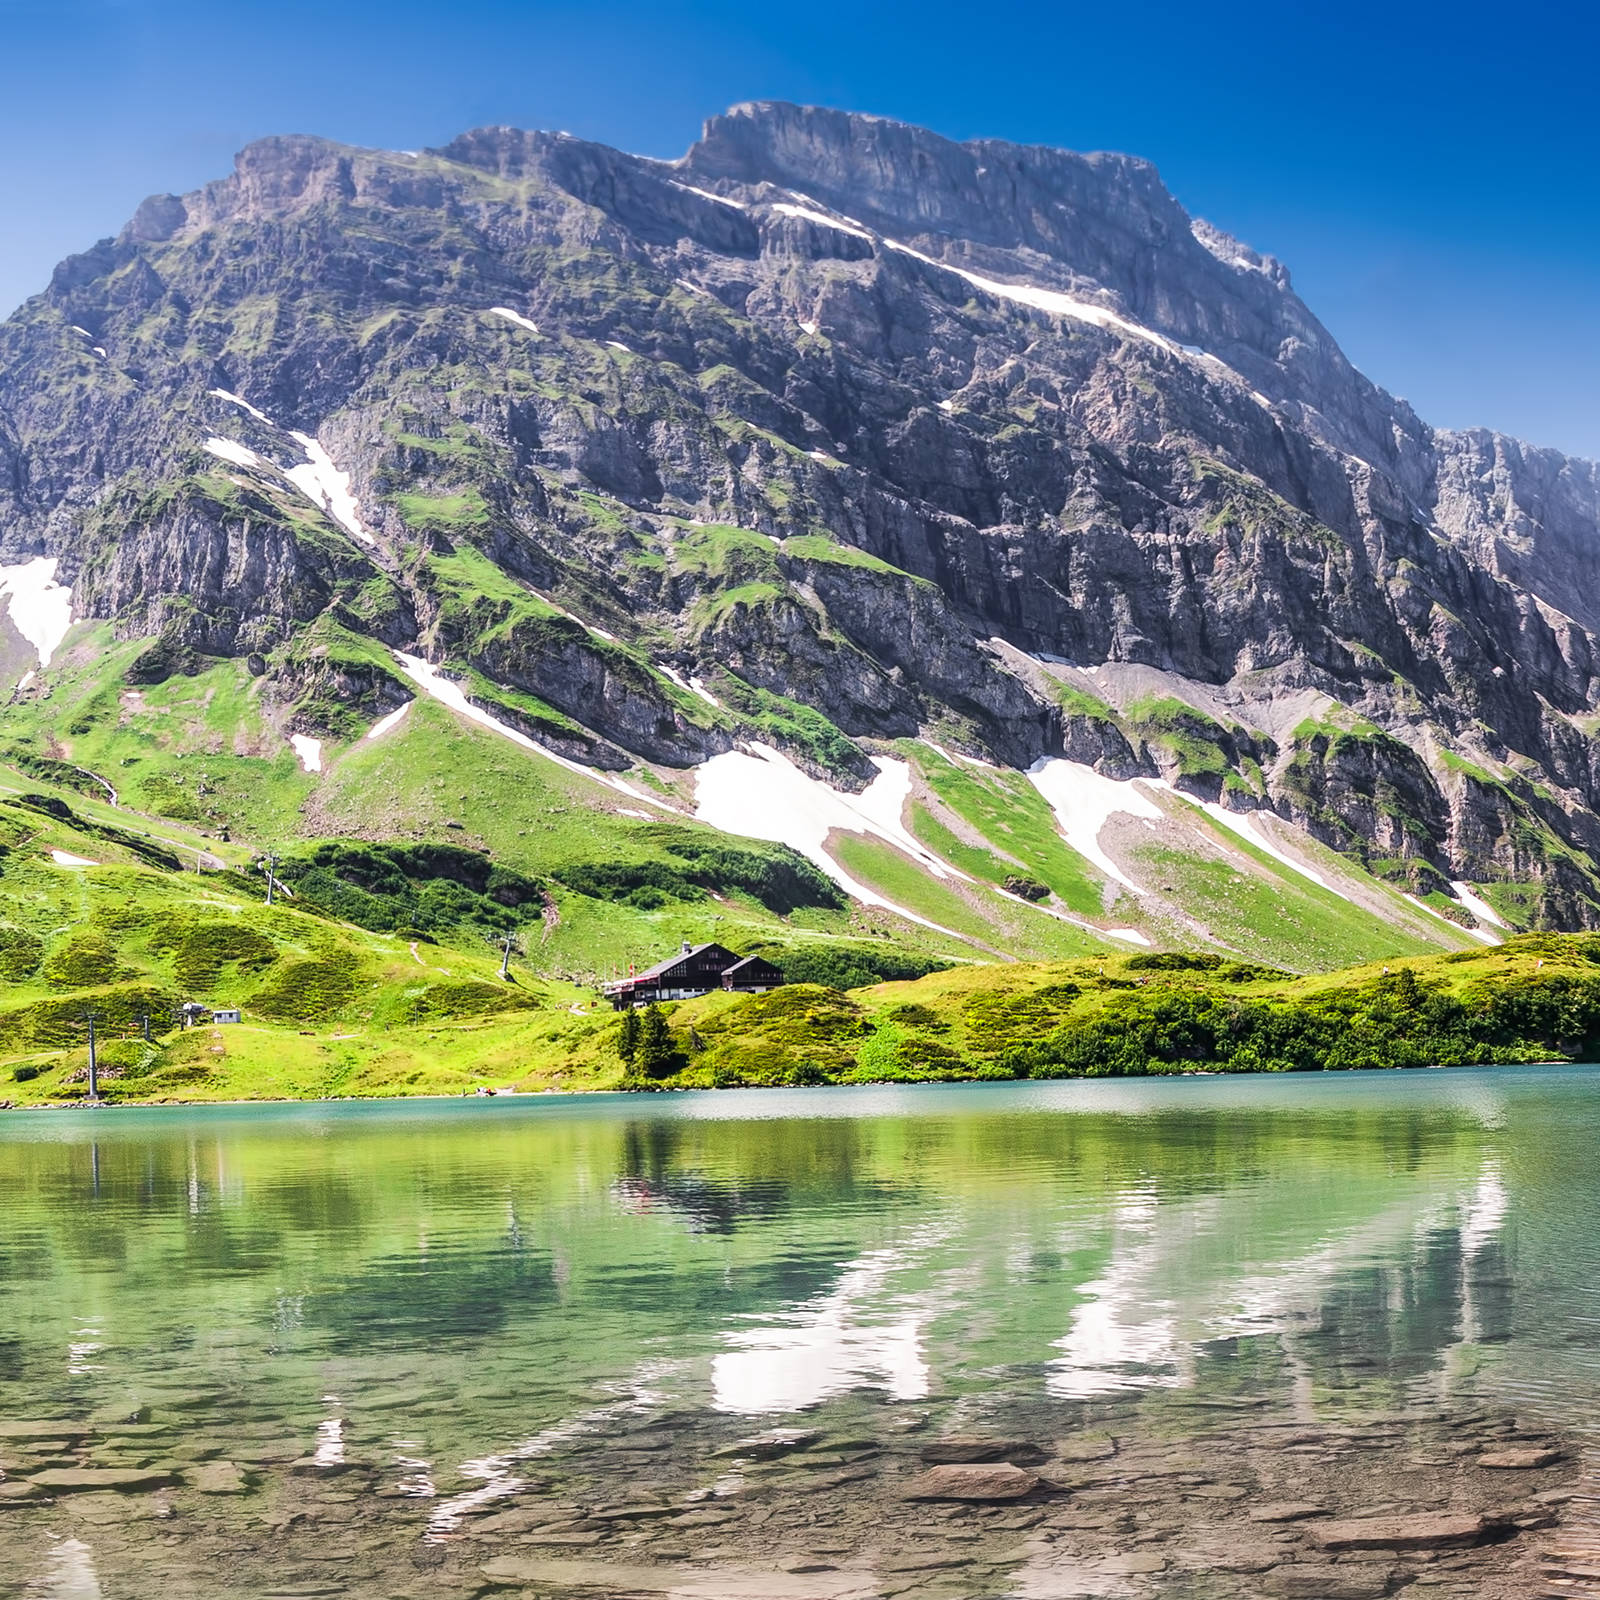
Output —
(963, 405)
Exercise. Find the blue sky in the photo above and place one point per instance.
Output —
(1428, 172)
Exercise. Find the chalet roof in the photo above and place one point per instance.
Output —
(750, 961)
(661, 968)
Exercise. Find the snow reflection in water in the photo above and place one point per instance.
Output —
(71, 1574)
(1128, 1335)
(820, 1348)
(498, 1473)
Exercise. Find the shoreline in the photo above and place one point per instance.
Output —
(673, 1092)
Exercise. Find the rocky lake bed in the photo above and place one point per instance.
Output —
(1164, 1495)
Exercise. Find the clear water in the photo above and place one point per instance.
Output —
(452, 1291)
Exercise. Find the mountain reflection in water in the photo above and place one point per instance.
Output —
(467, 1278)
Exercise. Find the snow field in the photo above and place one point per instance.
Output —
(40, 608)
(514, 316)
(1477, 905)
(231, 450)
(806, 214)
(244, 405)
(326, 486)
(761, 794)
(65, 858)
(1084, 801)
(308, 750)
(691, 685)
(392, 720)
(1482, 935)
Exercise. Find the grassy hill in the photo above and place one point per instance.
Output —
(96, 917)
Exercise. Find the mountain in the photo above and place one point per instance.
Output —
(965, 522)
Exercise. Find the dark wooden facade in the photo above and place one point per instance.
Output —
(753, 975)
(695, 970)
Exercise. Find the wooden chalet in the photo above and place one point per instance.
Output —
(695, 970)
(753, 975)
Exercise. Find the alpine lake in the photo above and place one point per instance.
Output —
(1312, 1338)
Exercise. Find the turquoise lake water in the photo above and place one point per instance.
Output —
(446, 1288)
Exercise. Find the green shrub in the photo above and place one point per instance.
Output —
(20, 954)
(1026, 888)
(85, 961)
(428, 888)
(307, 991)
(467, 998)
(689, 867)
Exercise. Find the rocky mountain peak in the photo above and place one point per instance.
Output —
(960, 418)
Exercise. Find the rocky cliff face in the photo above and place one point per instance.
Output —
(869, 432)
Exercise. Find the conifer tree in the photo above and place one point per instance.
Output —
(655, 1043)
(628, 1037)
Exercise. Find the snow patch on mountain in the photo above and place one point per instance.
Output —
(1477, 905)
(706, 194)
(327, 487)
(392, 720)
(1482, 935)
(428, 678)
(1245, 825)
(243, 404)
(309, 751)
(514, 316)
(761, 794)
(806, 214)
(1084, 801)
(40, 608)
(231, 450)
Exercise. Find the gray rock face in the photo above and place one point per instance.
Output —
(843, 417)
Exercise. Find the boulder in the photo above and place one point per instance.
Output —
(123, 1479)
(979, 1482)
(1423, 1530)
(938, 1452)
(1527, 1459)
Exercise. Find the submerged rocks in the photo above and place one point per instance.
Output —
(996, 1482)
(219, 1477)
(123, 1479)
(1420, 1531)
(1523, 1460)
(938, 1452)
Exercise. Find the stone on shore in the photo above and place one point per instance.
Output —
(987, 1482)
(1524, 1460)
(1286, 1511)
(1316, 1580)
(124, 1480)
(218, 1477)
(952, 1451)
(768, 1446)
(1428, 1530)
(1086, 1447)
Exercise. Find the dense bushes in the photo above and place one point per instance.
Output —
(426, 887)
(467, 998)
(1393, 1022)
(200, 950)
(688, 868)
(20, 954)
(307, 991)
(851, 966)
